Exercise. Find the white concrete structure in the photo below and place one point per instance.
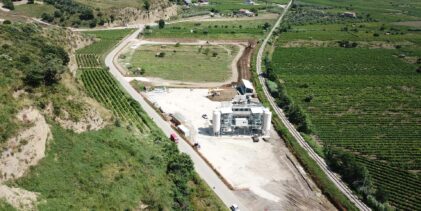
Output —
(242, 116)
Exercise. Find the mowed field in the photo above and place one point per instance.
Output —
(241, 29)
(364, 98)
(193, 63)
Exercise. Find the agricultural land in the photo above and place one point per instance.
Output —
(229, 30)
(351, 84)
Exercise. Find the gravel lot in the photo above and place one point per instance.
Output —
(261, 173)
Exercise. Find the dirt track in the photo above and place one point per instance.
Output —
(243, 64)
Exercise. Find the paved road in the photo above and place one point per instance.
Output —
(332, 176)
(205, 172)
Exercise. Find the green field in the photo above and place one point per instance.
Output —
(363, 98)
(106, 39)
(109, 4)
(380, 10)
(184, 63)
(33, 10)
(242, 30)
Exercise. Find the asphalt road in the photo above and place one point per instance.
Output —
(332, 176)
(201, 167)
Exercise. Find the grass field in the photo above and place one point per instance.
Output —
(364, 99)
(104, 170)
(185, 63)
(235, 5)
(106, 40)
(381, 10)
(242, 29)
(33, 10)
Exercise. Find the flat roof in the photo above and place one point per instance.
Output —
(247, 84)
(256, 110)
(226, 110)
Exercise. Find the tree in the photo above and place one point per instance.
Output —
(47, 17)
(8, 4)
(419, 70)
(146, 5)
(31, 1)
(86, 14)
(7, 22)
(214, 54)
(57, 14)
(161, 23)
(266, 26)
(381, 194)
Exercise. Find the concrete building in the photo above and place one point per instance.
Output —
(242, 116)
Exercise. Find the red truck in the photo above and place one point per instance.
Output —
(174, 138)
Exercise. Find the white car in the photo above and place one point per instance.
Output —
(234, 207)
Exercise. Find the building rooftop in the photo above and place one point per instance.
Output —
(247, 84)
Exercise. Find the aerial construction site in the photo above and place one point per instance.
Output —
(223, 120)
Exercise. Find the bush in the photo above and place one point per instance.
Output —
(47, 17)
(161, 23)
(7, 22)
(8, 4)
(214, 54)
(419, 69)
(31, 1)
(177, 44)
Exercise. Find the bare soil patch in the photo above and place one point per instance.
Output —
(22, 152)
(409, 23)
(19, 198)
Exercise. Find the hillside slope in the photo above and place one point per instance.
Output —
(62, 150)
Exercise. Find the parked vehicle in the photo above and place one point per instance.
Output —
(255, 138)
(234, 207)
(174, 138)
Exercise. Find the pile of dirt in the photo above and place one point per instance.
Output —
(222, 95)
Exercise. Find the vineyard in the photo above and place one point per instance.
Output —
(100, 84)
(102, 87)
(370, 107)
(87, 61)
